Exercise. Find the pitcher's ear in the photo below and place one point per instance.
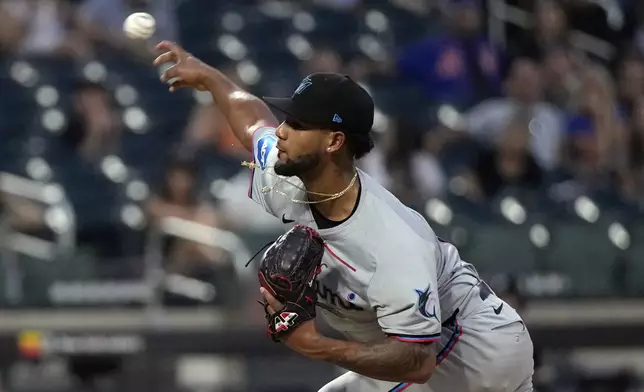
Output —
(335, 142)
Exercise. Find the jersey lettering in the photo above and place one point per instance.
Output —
(334, 299)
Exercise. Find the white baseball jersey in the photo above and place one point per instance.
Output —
(384, 272)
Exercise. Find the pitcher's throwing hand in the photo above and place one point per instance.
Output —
(187, 71)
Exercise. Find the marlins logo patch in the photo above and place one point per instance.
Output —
(427, 303)
(306, 83)
(263, 148)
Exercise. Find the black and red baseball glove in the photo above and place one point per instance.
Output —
(288, 271)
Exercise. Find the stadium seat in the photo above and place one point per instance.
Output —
(501, 248)
(17, 108)
(636, 260)
(39, 275)
(584, 253)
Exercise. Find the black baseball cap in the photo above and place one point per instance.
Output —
(329, 101)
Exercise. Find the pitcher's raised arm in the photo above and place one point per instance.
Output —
(244, 111)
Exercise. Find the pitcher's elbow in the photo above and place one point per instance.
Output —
(423, 374)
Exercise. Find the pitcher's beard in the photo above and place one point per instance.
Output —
(297, 167)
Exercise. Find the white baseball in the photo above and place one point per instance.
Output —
(139, 25)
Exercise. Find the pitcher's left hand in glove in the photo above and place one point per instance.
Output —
(287, 273)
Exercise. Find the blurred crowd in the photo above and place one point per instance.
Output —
(540, 111)
(545, 97)
(470, 102)
(550, 101)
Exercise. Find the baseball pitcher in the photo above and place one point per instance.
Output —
(359, 280)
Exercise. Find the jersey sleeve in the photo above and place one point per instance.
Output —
(263, 175)
(404, 292)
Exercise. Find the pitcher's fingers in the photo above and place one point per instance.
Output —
(270, 300)
(177, 84)
(166, 46)
(170, 46)
(170, 73)
(166, 57)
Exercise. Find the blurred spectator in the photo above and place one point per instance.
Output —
(561, 80)
(598, 27)
(420, 7)
(597, 154)
(178, 198)
(524, 92)
(630, 80)
(550, 31)
(327, 59)
(208, 128)
(324, 59)
(21, 214)
(427, 174)
(192, 266)
(376, 163)
(102, 21)
(188, 261)
(241, 212)
(404, 161)
(510, 163)
(94, 127)
(41, 28)
(461, 66)
(402, 181)
(638, 38)
(634, 186)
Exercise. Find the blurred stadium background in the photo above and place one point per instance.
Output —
(515, 126)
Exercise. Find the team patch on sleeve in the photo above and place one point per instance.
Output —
(427, 304)
(263, 148)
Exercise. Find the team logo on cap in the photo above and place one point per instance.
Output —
(306, 83)
(263, 148)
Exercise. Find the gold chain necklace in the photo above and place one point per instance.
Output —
(329, 197)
